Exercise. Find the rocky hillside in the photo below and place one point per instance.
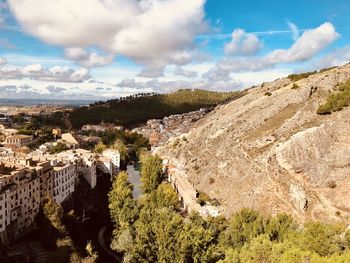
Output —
(271, 151)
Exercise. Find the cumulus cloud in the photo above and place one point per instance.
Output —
(38, 72)
(152, 72)
(335, 58)
(87, 59)
(3, 61)
(179, 71)
(152, 32)
(243, 44)
(309, 44)
(167, 86)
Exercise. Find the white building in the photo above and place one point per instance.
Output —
(114, 158)
(87, 167)
(104, 164)
(85, 161)
(63, 180)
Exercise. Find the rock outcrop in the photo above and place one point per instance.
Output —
(273, 153)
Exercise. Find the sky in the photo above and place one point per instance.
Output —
(102, 49)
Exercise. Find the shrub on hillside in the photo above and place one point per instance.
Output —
(295, 86)
(203, 198)
(336, 101)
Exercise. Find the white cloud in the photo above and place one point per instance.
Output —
(179, 71)
(172, 85)
(3, 61)
(305, 48)
(243, 44)
(308, 45)
(38, 72)
(53, 89)
(337, 57)
(87, 59)
(152, 72)
(295, 31)
(151, 32)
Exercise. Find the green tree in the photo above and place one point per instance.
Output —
(322, 238)
(100, 147)
(122, 205)
(280, 226)
(167, 229)
(54, 213)
(199, 241)
(122, 149)
(244, 226)
(165, 196)
(151, 173)
(257, 251)
(231, 256)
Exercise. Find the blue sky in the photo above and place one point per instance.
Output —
(98, 49)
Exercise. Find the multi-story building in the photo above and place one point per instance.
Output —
(114, 156)
(87, 168)
(85, 161)
(104, 164)
(18, 140)
(26, 182)
(63, 180)
(19, 200)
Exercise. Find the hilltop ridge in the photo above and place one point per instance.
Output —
(138, 109)
(269, 150)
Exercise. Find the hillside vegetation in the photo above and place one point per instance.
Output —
(336, 101)
(150, 229)
(138, 109)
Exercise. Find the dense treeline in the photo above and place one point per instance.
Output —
(151, 229)
(138, 109)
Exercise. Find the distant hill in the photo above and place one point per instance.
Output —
(139, 108)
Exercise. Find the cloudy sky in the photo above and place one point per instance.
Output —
(98, 49)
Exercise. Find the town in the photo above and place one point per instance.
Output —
(28, 177)
(159, 131)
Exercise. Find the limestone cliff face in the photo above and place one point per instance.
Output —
(273, 153)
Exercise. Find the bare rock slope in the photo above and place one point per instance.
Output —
(273, 153)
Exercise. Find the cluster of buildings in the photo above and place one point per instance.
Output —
(159, 131)
(12, 139)
(102, 127)
(27, 180)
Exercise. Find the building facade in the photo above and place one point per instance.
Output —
(18, 140)
(19, 201)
